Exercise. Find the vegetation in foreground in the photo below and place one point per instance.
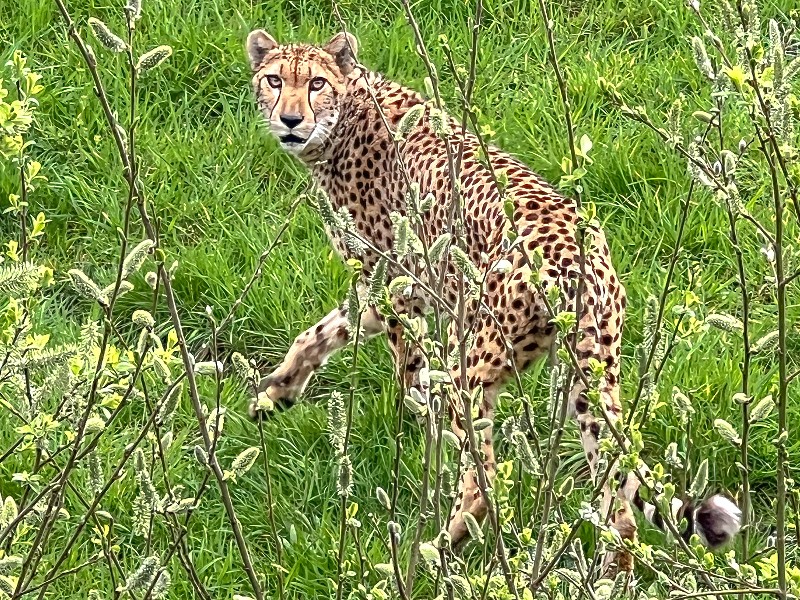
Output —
(217, 193)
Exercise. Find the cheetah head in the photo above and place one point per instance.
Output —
(300, 89)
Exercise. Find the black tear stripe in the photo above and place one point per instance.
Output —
(280, 91)
(310, 106)
(277, 100)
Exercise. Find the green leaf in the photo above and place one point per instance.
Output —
(473, 527)
(508, 208)
(106, 37)
(136, 257)
(565, 321)
(586, 144)
(700, 481)
(566, 487)
(727, 431)
(762, 409)
(429, 552)
(153, 58)
(38, 225)
(244, 462)
(502, 179)
(736, 74)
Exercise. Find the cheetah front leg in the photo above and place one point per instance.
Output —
(600, 340)
(309, 351)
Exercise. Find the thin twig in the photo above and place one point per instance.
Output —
(165, 277)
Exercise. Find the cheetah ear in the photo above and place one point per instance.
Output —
(259, 44)
(343, 47)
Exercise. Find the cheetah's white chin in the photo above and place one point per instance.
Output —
(294, 148)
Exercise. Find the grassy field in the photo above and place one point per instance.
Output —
(221, 188)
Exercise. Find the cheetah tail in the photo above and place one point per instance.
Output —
(716, 519)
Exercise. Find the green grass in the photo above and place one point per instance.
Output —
(221, 188)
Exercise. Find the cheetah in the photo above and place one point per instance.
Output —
(338, 119)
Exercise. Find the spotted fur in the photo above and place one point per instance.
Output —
(343, 133)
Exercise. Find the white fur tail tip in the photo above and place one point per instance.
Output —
(717, 520)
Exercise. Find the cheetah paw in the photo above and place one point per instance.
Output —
(269, 399)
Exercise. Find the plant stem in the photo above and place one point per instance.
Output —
(129, 450)
(780, 508)
(549, 484)
(745, 368)
(164, 276)
(348, 427)
(271, 509)
(423, 503)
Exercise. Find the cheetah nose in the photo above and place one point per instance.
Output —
(291, 121)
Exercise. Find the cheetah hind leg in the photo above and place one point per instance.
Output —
(488, 375)
(470, 498)
(605, 348)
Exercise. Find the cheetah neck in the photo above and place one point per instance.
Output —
(366, 91)
(359, 167)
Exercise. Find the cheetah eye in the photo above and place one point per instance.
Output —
(274, 81)
(317, 84)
